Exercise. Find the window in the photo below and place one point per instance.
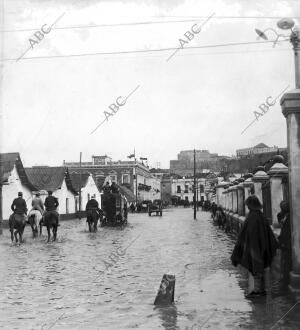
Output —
(178, 189)
(125, 178)
(186, 188)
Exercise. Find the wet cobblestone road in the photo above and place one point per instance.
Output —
(109, 280)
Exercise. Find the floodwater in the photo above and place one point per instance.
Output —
(109, 280)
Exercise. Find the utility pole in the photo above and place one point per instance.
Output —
(195, 185)
(80, 185)
(197, 194)
(136, 181)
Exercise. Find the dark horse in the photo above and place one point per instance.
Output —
(17, 224)
(92, 217)
(50, 220)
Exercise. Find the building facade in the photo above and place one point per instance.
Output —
(184, 188)
(133, 175)
(260, 148)
(184, 165)
(13, 179)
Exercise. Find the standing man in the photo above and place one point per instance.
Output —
(51, 204)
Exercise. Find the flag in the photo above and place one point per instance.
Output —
(143, 158)
(131, 156)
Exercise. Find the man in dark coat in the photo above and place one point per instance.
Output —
(285, 240)
(18, 205)
(51, 204)
(256, 246)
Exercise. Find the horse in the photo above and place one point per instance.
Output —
(92, 217)
(50, 220)
(34, 218)
(17, 222)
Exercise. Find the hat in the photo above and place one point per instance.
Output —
(253, 203)
(20, 193)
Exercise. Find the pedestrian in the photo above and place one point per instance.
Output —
(214, 210)
(255, 247)
(132, 207)
(220, 217)
(285, 241)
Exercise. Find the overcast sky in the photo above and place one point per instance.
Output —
(200, 98)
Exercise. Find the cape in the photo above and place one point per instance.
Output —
(256, 245)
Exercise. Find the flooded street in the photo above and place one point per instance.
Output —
(76, 283)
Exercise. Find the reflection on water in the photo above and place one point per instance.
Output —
(62, 285)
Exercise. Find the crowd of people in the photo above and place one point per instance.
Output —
(257, 245)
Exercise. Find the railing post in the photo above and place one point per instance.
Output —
(277, 172)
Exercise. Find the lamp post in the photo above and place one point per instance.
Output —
(290, 104)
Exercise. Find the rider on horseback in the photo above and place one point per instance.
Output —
(19, 206)
(37, 203)
(51, 204)
(92, 204)
(17, 220)
(93, 213)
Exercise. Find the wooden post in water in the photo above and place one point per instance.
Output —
(166, 292)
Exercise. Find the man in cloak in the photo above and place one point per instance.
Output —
(256, 247)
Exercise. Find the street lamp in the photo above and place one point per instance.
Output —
(287, 24)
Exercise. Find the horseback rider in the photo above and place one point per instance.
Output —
(17, 220)
(92, 204)
(19, 206)
(37, 203)
(51, 204)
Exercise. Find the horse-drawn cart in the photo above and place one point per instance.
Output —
(114, 206)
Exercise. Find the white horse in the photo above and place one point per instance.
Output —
(34, 218)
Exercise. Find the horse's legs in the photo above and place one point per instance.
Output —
(48, 231)
(41, 227)
(54, 230)
(90, 226)
(95, 225)
(16, 237)
(12, 235)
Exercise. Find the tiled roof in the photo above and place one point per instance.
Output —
(49, 178)
(7, 163)
(75, 180)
